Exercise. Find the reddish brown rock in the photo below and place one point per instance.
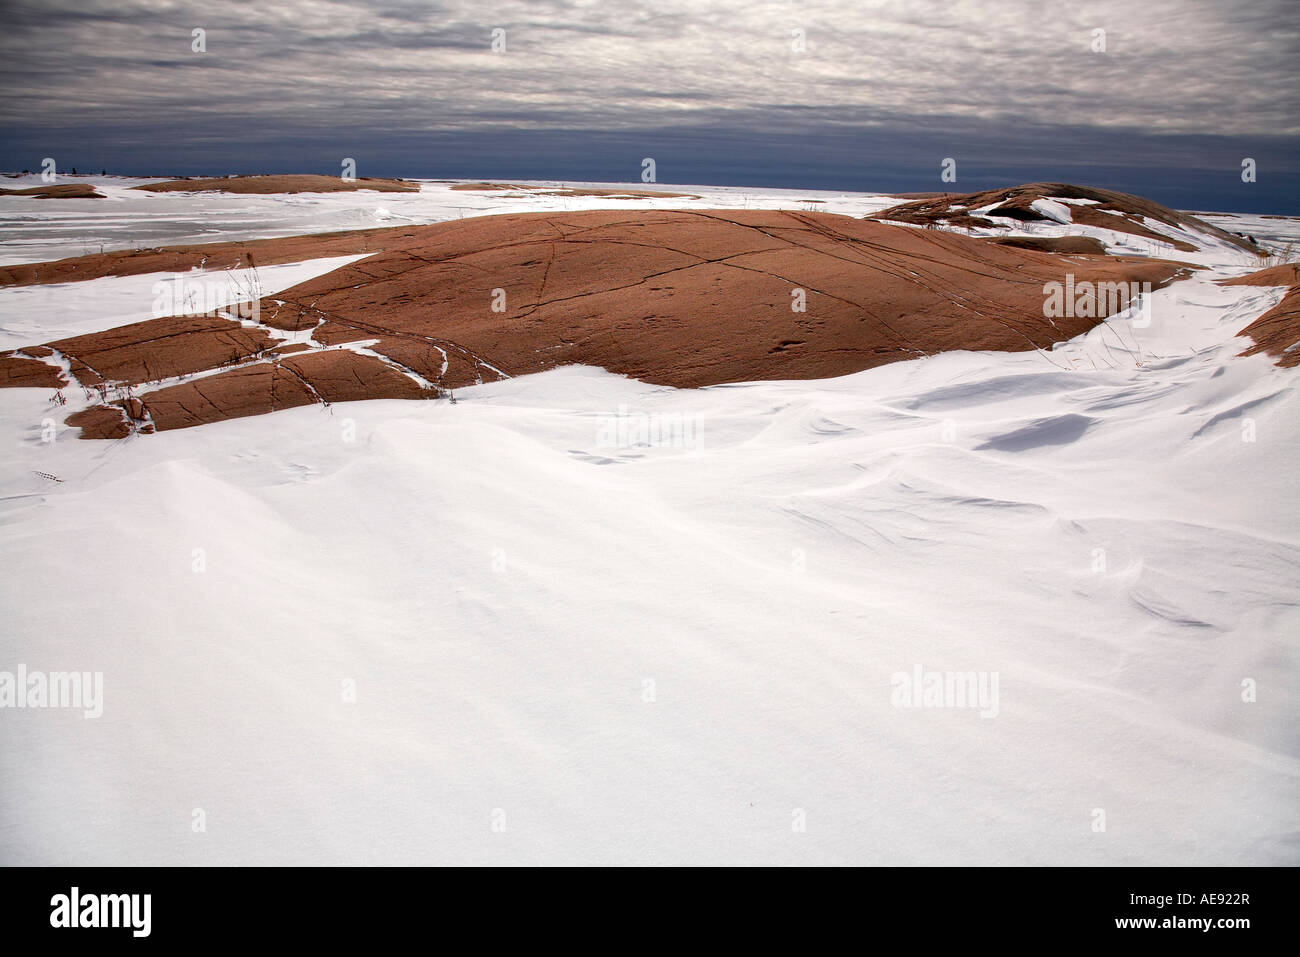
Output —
(288, 183)
(101, 422)
(57, 191)
(341, 375)
(696, 298)
(1286, 274)
(161, 348)
(1276, 332)
(672, 297)
(306, 378)
(1110, 210)
(1064, 245)
(249, 390)
(19, 372)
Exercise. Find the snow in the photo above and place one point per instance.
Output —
(1056, 212)
(32, 314)
(564, 652)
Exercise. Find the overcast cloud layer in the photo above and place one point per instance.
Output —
(302, 83)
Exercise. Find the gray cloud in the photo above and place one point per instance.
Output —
(1171, 66)
(713, 90)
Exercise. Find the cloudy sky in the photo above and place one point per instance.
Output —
(848, 94)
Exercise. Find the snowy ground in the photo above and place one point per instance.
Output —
(40, 230)
(567, 651)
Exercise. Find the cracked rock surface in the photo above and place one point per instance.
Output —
(678, 298)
